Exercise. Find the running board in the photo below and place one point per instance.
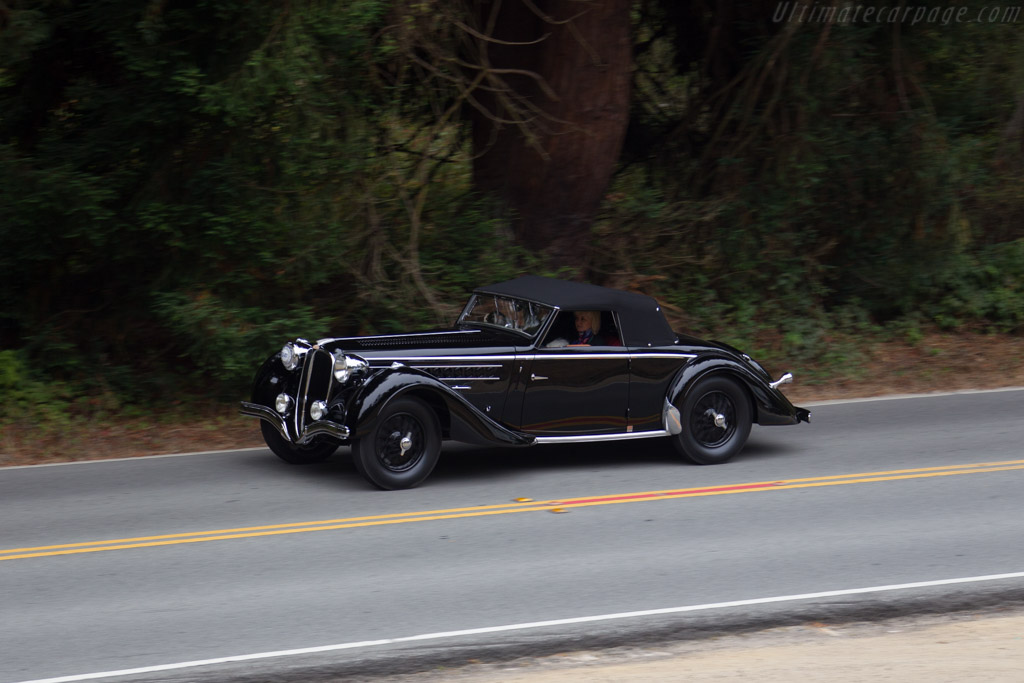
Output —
(592, 438)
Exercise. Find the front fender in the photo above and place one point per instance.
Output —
(771, 407)
(268, 381)
(464, 422)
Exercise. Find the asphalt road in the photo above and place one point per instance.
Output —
(195, 563)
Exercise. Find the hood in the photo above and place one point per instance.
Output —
(440, 342)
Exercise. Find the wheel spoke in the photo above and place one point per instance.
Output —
(400, 442)
(713, 419)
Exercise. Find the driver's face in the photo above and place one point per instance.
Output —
(582, 321)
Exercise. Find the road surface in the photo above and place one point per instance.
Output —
(213, 566)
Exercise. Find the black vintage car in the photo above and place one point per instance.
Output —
(529, 361)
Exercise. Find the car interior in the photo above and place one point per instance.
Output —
(564, 329)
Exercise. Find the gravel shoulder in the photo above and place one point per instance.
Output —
(959, 648)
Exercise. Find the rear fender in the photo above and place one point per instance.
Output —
(770, 406)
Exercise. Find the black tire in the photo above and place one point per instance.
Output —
(384, 460)
(317, 450)
(703, 440)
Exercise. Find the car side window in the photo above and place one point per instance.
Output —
(583, 328)
(610, 330)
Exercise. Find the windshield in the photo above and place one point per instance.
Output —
(526, 317)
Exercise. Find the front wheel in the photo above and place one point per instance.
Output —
(316, 451)
(401, 448)
(716, 417)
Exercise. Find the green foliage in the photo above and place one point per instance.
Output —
(225, 342)
(985, 288)
(843, 168)
(43, 404)
(184, 186)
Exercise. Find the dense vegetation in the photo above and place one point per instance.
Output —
(183, 185)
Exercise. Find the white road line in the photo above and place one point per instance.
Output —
(136, 457)
(900, 397)
(522, 627)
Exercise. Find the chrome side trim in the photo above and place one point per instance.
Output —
(630, 356)
(590, 438)
(331, 340)
(469, 379)
(538, 356)
(581, 356)
(785, 379)
(434, 367)
(436, 359)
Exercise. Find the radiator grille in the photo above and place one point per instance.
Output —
(314, 384)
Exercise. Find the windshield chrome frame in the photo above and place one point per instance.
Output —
(532, 337)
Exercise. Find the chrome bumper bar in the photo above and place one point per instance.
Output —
(325, 427)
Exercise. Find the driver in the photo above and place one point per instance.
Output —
(588, 324)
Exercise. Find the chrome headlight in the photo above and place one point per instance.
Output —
(283, 404)
(347, 367)
(292, 353)
(318, 410)
(289, 356)
(341, 373)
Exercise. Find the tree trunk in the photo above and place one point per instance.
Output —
(547, 141)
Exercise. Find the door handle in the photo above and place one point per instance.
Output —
(536, 377)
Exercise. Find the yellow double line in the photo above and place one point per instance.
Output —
(520, 505)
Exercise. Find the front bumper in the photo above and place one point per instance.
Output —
(309, 430)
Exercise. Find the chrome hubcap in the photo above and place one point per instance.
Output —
(713, 419)
(400, 442)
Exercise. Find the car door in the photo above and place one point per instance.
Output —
(575, 390)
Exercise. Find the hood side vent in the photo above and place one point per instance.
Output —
(411, 341)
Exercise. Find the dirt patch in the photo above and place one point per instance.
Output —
(937, 362)
(218, 428)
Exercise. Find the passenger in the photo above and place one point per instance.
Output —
(588, 326)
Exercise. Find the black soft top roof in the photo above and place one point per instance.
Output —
(639, 315)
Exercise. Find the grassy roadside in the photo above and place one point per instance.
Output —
(934, 362)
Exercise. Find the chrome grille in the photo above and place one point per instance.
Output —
(314, 384)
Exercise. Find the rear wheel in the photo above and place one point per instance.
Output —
(402, 448)
(317, 450)
(716, 416)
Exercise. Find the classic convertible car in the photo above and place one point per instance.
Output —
(529, 361)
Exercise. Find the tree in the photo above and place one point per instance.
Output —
(550, 113)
